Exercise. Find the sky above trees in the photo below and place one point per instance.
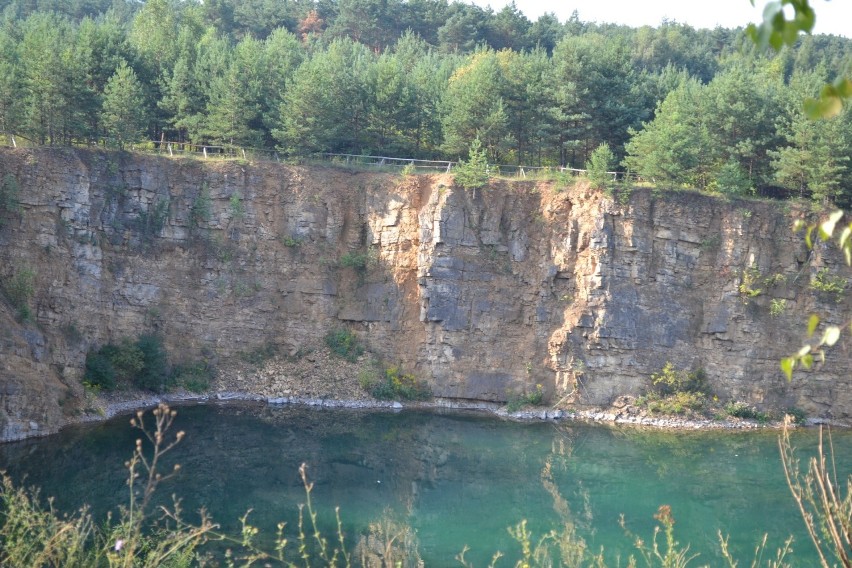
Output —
(832, 17)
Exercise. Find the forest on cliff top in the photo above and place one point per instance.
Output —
(683, 107)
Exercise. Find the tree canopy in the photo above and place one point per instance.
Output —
(423, 78)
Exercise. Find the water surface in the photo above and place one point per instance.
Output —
(457, 478)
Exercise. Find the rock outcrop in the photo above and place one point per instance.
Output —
(482, 294)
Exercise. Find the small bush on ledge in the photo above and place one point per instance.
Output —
(518, 401)
(143, 363)
(344, 344)
(393, 384)
(676, 391)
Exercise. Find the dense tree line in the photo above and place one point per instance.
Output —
(424, 78)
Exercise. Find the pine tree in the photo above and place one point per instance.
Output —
(234, 106)
(473, 106)
(124, 115)
(473, 173)
(601, 162)
(325, 109)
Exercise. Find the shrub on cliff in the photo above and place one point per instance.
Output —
(601, 162)
(142, 363)
(19, 289)
(9, 205)
(676, 391)
(344, 344)
(394, 385)
(154, 374)
(473, 173)
(671, 380)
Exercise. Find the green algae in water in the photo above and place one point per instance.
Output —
(457, 479)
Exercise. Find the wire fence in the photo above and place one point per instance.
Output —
(230, 152)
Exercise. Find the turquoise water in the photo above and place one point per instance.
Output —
(458, 479)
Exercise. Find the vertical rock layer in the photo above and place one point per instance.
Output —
(482, 294)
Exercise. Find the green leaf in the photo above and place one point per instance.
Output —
(797, 225)
(805, 17)
(826, 229)
(831, 335)
(844, 87)
(813, 322)
(808, 240)
(828, 105)
(787, 366)
(807, 361)
(844, 235)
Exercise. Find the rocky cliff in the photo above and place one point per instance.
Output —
(481, 294)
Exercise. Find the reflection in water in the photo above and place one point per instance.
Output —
(440, 481)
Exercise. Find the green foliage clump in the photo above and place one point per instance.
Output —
(519, 400)
(748, 288)
(124, 113)
(739, 409)
(676, 403)
(259, 355)
(142, 363)
(238, 209)
(151, 222)
(796, 414)
(99, 371)
(344, 344)
(9, 195)
(394, 384)
(357, 260)
(194, 377)
(601, 162)
(19, 289)
(671, 380)
(825, 283)
(676, 391)
(473, 173)
(154, 374)
(202, 208)
(732, 180)
(291, 242)
(711, 243)
(777, 307)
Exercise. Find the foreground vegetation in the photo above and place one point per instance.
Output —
(146, 534)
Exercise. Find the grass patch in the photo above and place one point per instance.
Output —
(518, 401)
(259, 355)
(344, 344)
(194, 377)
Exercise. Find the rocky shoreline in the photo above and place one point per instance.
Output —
(116, 407)
(317, 378)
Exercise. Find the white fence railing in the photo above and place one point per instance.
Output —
(226, 151)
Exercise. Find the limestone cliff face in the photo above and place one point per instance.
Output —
(482, 294)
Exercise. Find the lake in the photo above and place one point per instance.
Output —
(458, 479)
